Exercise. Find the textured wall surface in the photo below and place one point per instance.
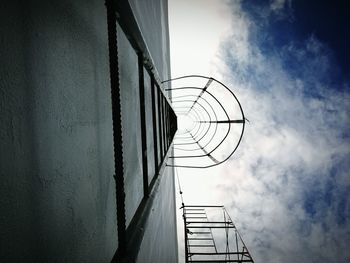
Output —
(152, 17)
(160, 241)
(56, 161)
(131, 125)
(149, 122)
(58, 200)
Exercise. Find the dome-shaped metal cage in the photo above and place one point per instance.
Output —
(210, 121)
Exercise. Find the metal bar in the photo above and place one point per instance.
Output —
(159, 127)
(223, 260)
(198, 238)
(205, 152)
(202, 245)
(154, 121)
(210, 222)
(201, 93)
(129, 24)
(211, 233)
(143, 126)
(186, 239)
(163, 125)
(237, 244)
(218, 253)
(225, 121)
(211, 227)
(168, 124)
(219, 206)
(116, 124)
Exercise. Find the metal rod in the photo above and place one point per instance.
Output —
(143, 125)
(201, 93)
(116, 122)
(211, 227)
(223, 260)
(217, 253)
(210, 222)
(219, 206)
(154, 122)
(224, 121)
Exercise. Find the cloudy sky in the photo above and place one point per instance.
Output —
(288, 186)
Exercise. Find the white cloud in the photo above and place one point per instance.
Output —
(197, 28)
(289, 153)
(277, 5)
(282, 9)
(295, 151)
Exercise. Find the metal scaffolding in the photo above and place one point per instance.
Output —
(211, 236)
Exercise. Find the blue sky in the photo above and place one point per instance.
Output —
(284, 22)
(288, 186)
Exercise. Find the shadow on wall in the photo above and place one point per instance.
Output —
(58, 196)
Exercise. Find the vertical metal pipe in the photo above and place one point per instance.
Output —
(186, 238)
(143, 126)
(159, 124)
(154, 120)
(164, 125)
(117, 129)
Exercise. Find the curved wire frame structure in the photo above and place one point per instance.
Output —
(210, 121)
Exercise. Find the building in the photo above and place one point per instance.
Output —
(83, 174)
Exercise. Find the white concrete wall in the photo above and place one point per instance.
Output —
(56, 161)
(160, 241)
(58, 201)
(152, 17)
